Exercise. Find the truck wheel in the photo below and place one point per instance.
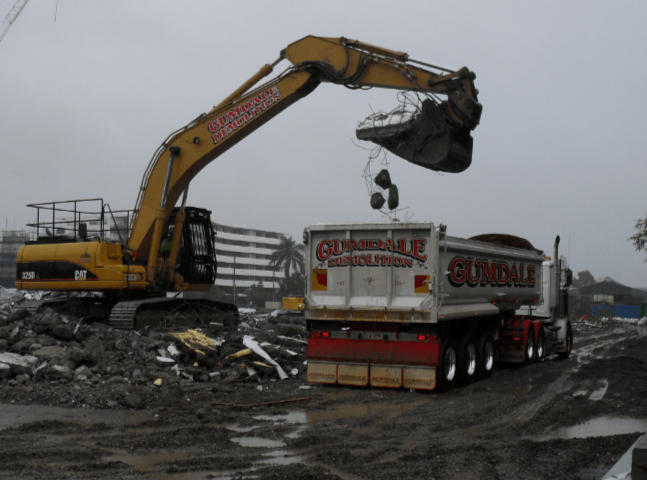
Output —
(569, 342)
(540, 348)
(530, 348)
(485, 356)
(467, 360)
(447, 367)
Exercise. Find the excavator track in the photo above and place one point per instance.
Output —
(137, 314)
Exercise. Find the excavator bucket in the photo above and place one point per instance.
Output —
(424, 138)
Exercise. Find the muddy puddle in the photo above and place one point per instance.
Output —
(601, 427)
(153, 466)
(146, 463)
(341, 412)
(12, 416)
(257, 442)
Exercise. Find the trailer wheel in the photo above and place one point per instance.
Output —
(569, 342)
(540, 348)
(530, 347)
(447, 366)
(485, 356)
(467, 360)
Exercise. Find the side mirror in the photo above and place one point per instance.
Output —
(569, 278)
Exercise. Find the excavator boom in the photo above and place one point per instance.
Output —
(314, 60)
(132, 272)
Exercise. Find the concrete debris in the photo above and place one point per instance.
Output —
(46, 347)
(164, 361)
(19, 363)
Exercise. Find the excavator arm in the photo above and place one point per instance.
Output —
(314, 60)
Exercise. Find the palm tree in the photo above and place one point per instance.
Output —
(289, 255)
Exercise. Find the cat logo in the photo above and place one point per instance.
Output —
(80, 275)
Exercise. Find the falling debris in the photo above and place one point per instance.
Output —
(394, 197)
(377, 201)
(383, 179)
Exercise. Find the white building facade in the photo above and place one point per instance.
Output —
(244, 259)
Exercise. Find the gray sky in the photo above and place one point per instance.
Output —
(85, 101)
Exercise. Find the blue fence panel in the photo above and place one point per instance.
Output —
(624, 311)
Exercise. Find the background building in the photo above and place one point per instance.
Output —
(244, 260)
(112, 227)
(625, 301)
(11, 242)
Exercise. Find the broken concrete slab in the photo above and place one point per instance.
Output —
(50, 352)
(19, 363)
(59, 372)
(164, 361)
(94, 352)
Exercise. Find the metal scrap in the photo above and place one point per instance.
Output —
(253, 345)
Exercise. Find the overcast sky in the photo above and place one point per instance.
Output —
(88, 96)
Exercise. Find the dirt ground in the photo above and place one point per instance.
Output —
(523, 423)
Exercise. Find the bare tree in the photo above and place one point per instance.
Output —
(639, 239)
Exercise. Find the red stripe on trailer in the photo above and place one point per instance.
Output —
(373, 351)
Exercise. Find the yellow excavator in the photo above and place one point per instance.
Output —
(135, 272)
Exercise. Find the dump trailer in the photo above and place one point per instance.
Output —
(403, 304)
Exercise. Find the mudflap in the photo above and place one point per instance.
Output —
(509, 355)
(382, 364)
(353, 374)
(419, 378)
(386, 376)
(322, 372)
(512, 347)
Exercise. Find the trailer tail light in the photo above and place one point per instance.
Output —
(325, 334)
(422, 337)
(516, 339)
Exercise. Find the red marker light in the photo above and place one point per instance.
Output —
(422, 337)
(516, 339)
(325, 334)
(476, 313)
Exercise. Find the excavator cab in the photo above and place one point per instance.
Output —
(196, 260)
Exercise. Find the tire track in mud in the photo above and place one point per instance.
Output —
(582, 355)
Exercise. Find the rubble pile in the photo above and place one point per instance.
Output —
(50, 349)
